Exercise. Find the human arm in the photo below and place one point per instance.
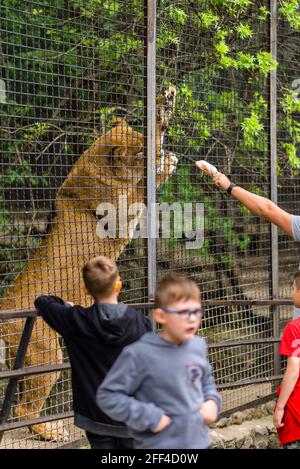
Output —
(209, 411)
(289, 381)
(54, 311)
(115, 396)
(258, 205)
(211, 406)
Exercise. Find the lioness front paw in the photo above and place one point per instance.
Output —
(171, 162)
(168, 163)
(166, 106)
(170, 95)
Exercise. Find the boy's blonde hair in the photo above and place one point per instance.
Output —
(172, 288)
(100, 275)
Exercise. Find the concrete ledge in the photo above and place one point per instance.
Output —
(252, 434)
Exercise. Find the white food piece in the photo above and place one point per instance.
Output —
(206, 167)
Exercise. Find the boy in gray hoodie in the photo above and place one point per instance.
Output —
(162, 386)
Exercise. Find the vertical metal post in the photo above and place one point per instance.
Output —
(273, 168)
(19, 362)
(151, 145)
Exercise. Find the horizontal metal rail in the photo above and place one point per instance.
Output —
(238, 343)
(14, 425)
(27, 423)
(38, 370)
(34, 370)
(248, 405)
(20, 372)
(12, 314)
(248, 382)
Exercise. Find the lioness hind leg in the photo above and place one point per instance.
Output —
(36, 389)
(34, 392)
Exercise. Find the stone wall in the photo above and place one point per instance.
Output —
(250, 429)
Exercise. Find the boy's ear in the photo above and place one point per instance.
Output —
(118, 286)
(159, 316)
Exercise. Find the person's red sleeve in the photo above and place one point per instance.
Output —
(290, 341)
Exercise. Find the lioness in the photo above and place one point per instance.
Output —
(112, 167)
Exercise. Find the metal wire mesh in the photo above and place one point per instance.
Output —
(288, 151)
(72, 71)
(216, 98)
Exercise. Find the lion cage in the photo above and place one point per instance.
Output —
(105, 107)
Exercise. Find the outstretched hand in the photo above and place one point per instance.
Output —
(219, 179)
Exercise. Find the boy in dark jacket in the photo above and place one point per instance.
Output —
(94, 338)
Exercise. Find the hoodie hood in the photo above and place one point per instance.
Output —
(115, 324)
(155, 339)
(109, 311)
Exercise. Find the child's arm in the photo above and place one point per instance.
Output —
(289, 381)
(54, 311)
(115, 396)
(211, 407)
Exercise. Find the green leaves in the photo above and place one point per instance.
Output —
(209, 19)
(252, 129)
(189, 110)
(290, 10)
(244, 30)
(263, 13)
(245, 60)
(222, 48)
(265, 62)
(178, 15)
(291, 152)
(241, 4)
(36, 11)
(22, 174)
(290, 102)
(36, 131)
